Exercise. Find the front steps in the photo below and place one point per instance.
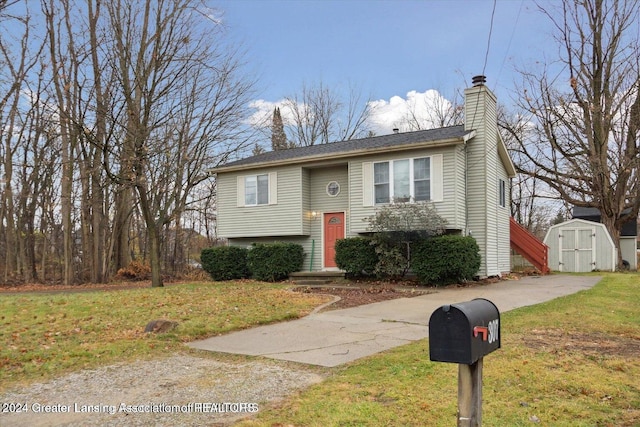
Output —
(316, 277)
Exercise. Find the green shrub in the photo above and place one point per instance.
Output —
(271, 262)
(356, 256)
(446, 259)
(392, 259)
(396, 228)
(225, 262)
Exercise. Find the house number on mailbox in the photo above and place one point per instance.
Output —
(488, 333)
(494, 327)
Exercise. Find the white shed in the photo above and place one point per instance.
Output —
(579, 246)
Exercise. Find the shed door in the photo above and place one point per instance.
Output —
(333, 230)
(577, 250)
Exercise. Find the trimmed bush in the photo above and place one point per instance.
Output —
(444, 260)
(271, 262)
(225, 262)
(392, 259)
(356, 256)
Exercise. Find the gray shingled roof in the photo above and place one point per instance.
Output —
(353, 145)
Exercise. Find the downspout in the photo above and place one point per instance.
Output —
(313, 247)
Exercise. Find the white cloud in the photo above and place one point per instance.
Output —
(424, 107)
(395, 113)
(264, 112)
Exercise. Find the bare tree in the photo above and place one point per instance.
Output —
(531, 198)
(184, 99)
(432, 111)
(582, 112)
(65, 66)
(318, 115)
(18, 58)
(110, 116)
(4, 4)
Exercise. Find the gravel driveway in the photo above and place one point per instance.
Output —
(181, 390)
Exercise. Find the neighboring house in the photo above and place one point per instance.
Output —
(315, 195)
(628, 234)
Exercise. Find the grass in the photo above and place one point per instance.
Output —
(573, 361)
(45, 335)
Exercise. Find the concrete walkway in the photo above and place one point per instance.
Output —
(340, 336)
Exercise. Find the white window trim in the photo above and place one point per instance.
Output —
(502, 193)
(272, 185)
(411, 179)
(437, 180)
(338, 189)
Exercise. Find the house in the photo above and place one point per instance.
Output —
(628, 234)
(315, 195)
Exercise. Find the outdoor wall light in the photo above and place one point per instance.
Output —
(314, 215)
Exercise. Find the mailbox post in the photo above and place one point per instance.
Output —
(464, 333)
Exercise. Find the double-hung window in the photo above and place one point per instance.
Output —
(422, 179)
(256, 190)
(381, 182)
(402, 180)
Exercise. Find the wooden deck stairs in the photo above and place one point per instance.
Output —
(528, 245)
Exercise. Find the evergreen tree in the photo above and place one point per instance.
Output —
(257, 149)
(278, 137)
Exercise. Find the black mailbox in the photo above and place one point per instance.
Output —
(464, 332)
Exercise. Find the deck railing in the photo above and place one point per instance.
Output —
(528, 245)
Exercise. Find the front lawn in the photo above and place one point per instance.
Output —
(44, 335)
(574, 361)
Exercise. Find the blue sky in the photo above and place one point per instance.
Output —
(386, 48)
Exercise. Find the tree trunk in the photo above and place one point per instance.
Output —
(153, 235)
(65, 200)
(10, 260)
(85, 225)
(121, 228)
(11, 234)
(155, 250)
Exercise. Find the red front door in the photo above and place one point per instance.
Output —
(333, 230)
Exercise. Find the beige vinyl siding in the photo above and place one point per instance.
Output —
(283, 218)
(306, 202)
(320, 200)
(492, 215)
(357, 208)
(477, 204)
(322, 203)
(459, 188)
(502, 225)
(361, 202)
(482, 164)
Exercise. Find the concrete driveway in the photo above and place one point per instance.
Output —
(340, 336)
